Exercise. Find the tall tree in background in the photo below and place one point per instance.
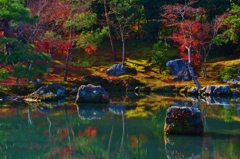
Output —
(109, 29)
(186, 19)
(123, 16)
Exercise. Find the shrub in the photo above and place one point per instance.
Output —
(4, 74)
(158, 55)
(228, 73)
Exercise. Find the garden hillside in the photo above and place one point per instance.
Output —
(139, 63)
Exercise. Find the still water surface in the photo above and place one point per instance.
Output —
(128, 128)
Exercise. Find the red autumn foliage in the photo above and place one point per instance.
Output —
(47, 46)
(196, 40)
(192, 33)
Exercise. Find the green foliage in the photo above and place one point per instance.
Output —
(158, 54)
(82, 20)
(25, 61)
(15, 10)
(232, 22)
(228, 73)
(89, 38)
(3, 74)
(80, 63)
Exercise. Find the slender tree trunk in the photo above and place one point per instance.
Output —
(69, 49)
(66, 65)
(193, 76)
(109, 30)
(205, 68)
(123, 51)
(123, 42)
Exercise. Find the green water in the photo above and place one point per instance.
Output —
(37, 131)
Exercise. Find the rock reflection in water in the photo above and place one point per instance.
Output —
(183, 147)
(117, 109)
(91, 111)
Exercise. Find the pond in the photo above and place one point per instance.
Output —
(129, 127)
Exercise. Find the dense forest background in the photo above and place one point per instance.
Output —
(35, 32)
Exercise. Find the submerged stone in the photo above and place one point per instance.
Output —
(183, 120)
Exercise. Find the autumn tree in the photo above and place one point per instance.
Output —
(186, 19)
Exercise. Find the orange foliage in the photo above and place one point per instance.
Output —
(63, 133)
(91, 49)
(134, 140)
(90, 132)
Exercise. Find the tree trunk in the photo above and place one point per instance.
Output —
(193, 76)
(17, 82)
(66, 65)
(109, 30)
(123, 50)
(204, 69)
(123, 42)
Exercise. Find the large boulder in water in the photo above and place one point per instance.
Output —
(176, 66)
(92, 94)
(116, 70)
(53, 91)
(183, 120)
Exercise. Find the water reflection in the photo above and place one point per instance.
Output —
(91, 111)
(130, 128)
(183, 146)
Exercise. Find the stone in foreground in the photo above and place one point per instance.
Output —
(92, 94)
(183, 120)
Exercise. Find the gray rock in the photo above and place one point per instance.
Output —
(183, 120)
(183, 76)
(53, 91)
(92, 94)
(176, 66)
(217, 90)
(116, 70)
(236, 92)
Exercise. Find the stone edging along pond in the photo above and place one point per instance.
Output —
(55, 91)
